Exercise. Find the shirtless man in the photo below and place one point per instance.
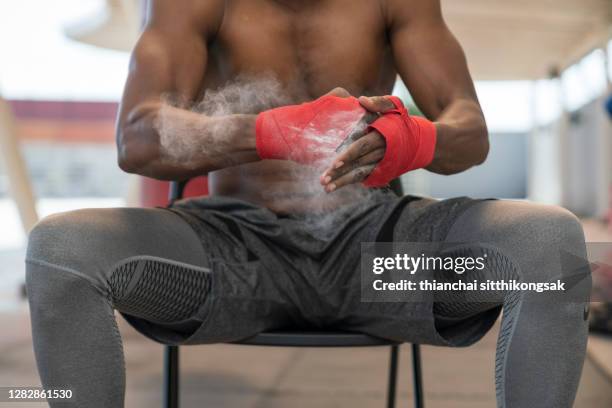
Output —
(246, 259)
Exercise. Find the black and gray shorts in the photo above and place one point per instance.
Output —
(272, 272)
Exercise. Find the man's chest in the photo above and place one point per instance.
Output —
(338, 43)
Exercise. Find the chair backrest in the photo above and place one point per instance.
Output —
(177, 188)
(396, 187)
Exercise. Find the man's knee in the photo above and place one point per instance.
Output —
(548, 243)
(58, 247)
(553, 227)
(73, 241)
(61, 238)
(533, 237)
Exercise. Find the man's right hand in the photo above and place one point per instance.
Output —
(309, 133)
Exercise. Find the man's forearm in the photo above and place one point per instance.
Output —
(170, 143)
(462, 138)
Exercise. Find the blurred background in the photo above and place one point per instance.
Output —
(543, 71)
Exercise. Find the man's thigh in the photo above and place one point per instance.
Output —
(92, 241)
(532, 235)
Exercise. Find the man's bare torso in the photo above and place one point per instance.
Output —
(190, 47)
(311, 47)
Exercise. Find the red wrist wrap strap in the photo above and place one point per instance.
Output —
(307, 133)
(411, 143)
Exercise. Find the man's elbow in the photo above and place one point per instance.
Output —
(136, 140)
(127, 160)
(133, 153)
(482, 144)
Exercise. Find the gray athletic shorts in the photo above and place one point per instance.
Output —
(273, 272)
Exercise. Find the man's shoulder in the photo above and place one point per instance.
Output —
(399, 12)
(200, 15)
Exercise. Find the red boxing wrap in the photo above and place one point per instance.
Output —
(411, 143)
(307, 133)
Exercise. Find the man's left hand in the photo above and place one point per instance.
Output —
(355, 163)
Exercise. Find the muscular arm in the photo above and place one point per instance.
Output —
(170, 59)
(432, 65)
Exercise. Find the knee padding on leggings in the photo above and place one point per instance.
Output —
(498, 267)
(159, 290)
(469, 303)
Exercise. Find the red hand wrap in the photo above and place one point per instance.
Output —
(307, 133)
(411, 143)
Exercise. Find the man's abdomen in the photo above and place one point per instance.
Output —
(282, 186)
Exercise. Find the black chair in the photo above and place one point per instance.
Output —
(301, 339)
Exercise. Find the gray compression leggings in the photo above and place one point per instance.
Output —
(148, 263)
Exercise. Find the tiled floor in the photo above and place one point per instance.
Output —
(238, 376)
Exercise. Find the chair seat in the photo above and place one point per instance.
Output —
(315, 339)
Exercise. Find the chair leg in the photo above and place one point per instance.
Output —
(392, 390)
(171, 377)
(417, 375)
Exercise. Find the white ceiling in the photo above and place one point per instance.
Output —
(523, 39)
